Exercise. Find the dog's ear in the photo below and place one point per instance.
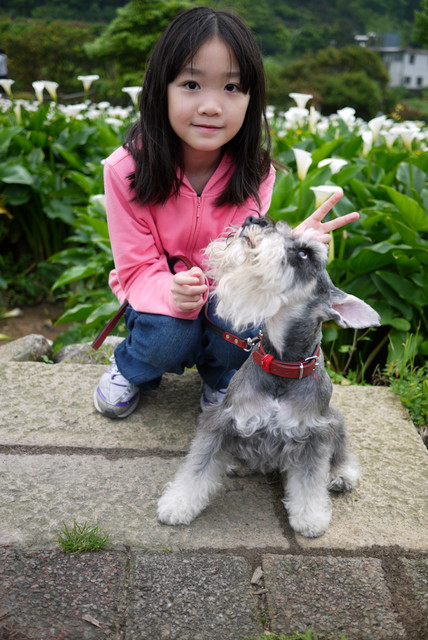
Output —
(349, 311)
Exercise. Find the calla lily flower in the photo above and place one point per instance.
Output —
(347, 114)
(367, 137)
(406, 134)
(6, 84)
(303, 161)
(17, 111)
(314, 116)
(133, 93)
(99, 197)
(375, 125)
(38, 87)
(335, 164)
(301, 99)
(324, 192)
(389, 137)
(88, 80)
(296, 116)
(51, 88)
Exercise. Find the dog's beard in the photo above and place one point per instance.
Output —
(249, 276)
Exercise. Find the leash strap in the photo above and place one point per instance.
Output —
(296, 370)
(96, 344)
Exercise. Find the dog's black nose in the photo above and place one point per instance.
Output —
(262, 222)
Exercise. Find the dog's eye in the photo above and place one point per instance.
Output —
(303, 254)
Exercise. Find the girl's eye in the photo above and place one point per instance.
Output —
(192, 85)
(303, 254)
(232, 88)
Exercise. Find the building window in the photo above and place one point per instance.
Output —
(411, 58)
(407, 80)
(419, 81)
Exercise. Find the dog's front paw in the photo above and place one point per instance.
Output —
(344, 478)
(308, 527)
(174, 508)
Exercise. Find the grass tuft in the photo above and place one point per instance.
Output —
(81, 538)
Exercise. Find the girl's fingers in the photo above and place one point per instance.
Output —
(327, 206)
(336, 223)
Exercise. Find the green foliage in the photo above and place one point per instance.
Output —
(420, 33)
(81, 538)
(50, 166)
(383, 258)
(128, 40)
(41, 50)
(336, 77)
(411, 384)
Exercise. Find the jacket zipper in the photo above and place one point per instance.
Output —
(192, 239)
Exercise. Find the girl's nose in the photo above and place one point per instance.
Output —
(209, 106)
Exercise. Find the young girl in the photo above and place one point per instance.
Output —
(192, 166)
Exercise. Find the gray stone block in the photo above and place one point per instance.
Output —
(182, 596)
(41, 492)
(332, 596)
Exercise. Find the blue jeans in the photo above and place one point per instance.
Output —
(159, 344)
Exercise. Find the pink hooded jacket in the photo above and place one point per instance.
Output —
(143, 236)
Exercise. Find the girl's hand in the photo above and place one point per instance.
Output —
(322, 229)
(188, 289)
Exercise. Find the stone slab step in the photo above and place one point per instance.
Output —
(61, 460)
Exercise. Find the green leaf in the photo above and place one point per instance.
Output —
(76, 314)
(412, 212)
(15, 174)
(6, 135)
(105, 311)
(75, 273)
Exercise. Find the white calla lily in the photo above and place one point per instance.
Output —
(99, 197)
(389, 137)
(314, 117)
(303, 161)
(51, 88)
(406, 134)
(324, 192)
(133, 93)
(375, 125)
(88, 80)
(335, 164)
(38, 87)
(347, 114)
(367, 137)
(6, 84)
(301, 99)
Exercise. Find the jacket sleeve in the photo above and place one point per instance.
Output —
(141, 273)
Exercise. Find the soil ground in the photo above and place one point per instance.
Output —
(38, 319)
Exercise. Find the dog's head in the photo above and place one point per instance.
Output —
(262, 268)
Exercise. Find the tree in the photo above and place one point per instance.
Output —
(127, 42)
(420, 33)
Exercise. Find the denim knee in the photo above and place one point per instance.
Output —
(157, 344)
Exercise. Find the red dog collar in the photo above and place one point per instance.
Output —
(296, 370)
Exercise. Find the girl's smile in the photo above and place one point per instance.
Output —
(206, 106)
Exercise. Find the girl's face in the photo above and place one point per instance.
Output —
(206, 107)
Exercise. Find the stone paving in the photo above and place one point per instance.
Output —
(60, 461)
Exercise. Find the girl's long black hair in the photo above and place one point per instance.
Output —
(156, 148)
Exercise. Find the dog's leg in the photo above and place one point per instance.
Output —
(306, 496)
(197, 480)
(344, 468)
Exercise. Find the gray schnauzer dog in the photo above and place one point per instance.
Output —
(276, 414)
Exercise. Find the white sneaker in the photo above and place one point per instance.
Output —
(115, 396)
(211, 396)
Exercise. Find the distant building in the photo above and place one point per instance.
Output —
(406, 67)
